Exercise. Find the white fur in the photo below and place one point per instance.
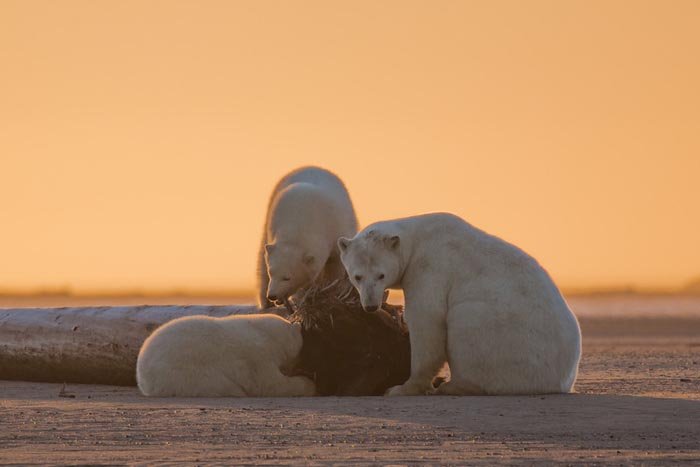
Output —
(472, 299)
(200, 356)
(309, 210)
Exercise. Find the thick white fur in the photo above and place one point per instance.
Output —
(200, 356)
(472, 299)
(308, 211)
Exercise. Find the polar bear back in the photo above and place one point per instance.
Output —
(321, 178)
(204, 356)
(311, 200)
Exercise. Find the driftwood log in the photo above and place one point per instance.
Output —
(96, 345)
(347, 351)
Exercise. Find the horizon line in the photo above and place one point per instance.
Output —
(250, 292)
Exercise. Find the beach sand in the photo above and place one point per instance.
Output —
(637, 401)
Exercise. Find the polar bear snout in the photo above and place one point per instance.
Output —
(278, 291)
(372, 293)
(370, 299)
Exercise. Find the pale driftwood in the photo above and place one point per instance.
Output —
(96, 345)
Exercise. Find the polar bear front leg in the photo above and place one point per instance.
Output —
(428, 342)
(280, 385)
(263, 280)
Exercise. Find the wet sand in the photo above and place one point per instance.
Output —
(637, 401)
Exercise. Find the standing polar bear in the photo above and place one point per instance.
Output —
(309, 209)
(472, 299)
(200, 356)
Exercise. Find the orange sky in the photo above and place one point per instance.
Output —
(139, 140)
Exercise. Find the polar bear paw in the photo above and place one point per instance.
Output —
(409, 389)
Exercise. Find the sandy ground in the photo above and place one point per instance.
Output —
(637, 402)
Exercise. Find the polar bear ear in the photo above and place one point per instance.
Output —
(393, 242)
(343, 244)
(308, 260)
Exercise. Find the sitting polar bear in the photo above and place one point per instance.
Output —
(200, 356)
(472, 299)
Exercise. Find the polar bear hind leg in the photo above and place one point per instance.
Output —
(487, 357)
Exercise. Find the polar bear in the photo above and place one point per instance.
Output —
(309, 209)
(236, 356)
(472, 299)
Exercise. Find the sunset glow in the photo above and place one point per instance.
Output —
(139, 141)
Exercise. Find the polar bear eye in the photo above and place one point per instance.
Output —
(358, 278)
(380, 276)
(286, 279)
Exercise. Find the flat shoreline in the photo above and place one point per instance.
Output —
(637, 401)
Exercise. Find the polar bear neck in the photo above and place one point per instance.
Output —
(419, 236)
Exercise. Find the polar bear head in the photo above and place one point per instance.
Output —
(290, 267)
(373, 263)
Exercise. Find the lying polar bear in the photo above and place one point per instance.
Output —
(200, 356)
(472, 299)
